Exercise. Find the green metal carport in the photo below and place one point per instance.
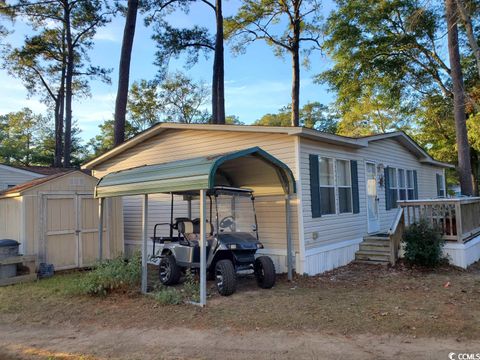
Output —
(251, 168)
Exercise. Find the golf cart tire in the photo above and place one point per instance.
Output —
(229, 278)
(174, 277)
(264, 272)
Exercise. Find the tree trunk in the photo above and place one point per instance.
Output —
(218, 83)
(463, 148)
(475, 171)
(59, 110)
(124, 72)
(68, 88)
(467, 22)
(296, 66)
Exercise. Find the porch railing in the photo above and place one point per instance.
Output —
(457, 218)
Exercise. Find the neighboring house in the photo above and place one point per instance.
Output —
(11, 175)
(346, 188)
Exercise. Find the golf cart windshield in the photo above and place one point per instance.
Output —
(235, 212)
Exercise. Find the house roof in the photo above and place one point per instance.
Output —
(37, 170)
(19, 189)
(195, 174)
(312, 134)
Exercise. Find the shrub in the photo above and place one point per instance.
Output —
(423, 244)
(112, 275)
(168, 296)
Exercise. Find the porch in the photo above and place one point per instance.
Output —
(457, 218)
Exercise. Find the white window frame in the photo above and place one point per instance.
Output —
(337, 197)
(335, 186)
(412, 183)
(406, 187)
(443, 188)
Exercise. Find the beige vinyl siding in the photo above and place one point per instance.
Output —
(341, 227)
(11, 225)
(174, 145)
(12, 176)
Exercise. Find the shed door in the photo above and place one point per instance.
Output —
(61, 245)
(71, 231)
(88, 231)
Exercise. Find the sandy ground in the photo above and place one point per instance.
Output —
(73, 342)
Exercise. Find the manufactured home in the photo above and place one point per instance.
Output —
(350, 199)
(55, 219)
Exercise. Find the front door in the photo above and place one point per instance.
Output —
(372, 198)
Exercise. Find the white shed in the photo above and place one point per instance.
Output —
(56, 218)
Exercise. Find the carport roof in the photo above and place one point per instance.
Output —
(184, 175)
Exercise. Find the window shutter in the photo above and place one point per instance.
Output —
(415, 185)
(314, 186)
(355, 197)
(388, 199)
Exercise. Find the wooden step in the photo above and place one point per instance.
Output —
(372, 262)
(375, 247)
(372, 255)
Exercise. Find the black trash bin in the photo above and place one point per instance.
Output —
(8, 248)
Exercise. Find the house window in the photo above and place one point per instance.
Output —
(410, 185)
(344, 186)
(393, 186)
(327, 186)
(441, 186)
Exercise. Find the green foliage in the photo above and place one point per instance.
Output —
(111, 275)
(168, 296)
(313, 115)
(104, 141)
(423, 244)
(177, 98)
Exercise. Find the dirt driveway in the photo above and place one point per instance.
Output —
(69, 342)
(355, 312)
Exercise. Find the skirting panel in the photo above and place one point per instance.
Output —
(330, 256)
(463, 255)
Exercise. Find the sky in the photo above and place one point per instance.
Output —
(256, 82)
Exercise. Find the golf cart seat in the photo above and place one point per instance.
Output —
(190, 230)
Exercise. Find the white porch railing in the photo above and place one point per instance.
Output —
(457, 218)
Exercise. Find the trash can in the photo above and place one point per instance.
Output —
(8, 248)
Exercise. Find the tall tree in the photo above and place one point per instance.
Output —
(104, 141)
(60, 51)
(465, 14)
(124, 71)
(172, 42)
(261, 19)
(463, 147)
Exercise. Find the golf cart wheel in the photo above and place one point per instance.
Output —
(168, 270)
(225, 277)
(264, 272)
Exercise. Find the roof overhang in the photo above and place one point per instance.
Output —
(239, 169)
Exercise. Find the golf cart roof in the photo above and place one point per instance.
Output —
(250, 170)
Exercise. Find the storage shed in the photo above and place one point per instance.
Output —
(55, 218)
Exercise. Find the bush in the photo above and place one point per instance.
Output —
(168, 296)
(423, 244)
(110, 275)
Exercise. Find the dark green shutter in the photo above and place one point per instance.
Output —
(314, 186)
(388, 198)
(415, 185)
(355, 197)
